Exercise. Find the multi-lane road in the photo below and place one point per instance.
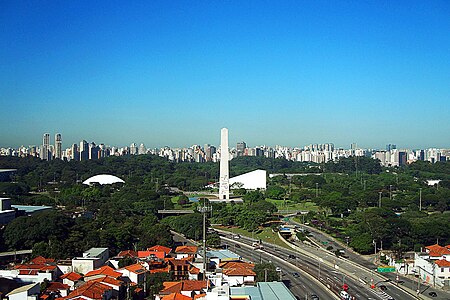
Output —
(330, 277)
(356, 260)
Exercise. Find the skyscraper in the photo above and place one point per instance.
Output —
(75, 154)
(58, 146)
(240, 148)
(224, 188)
(45, 150)
(84, 150)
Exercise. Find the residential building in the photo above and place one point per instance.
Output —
(91, 260)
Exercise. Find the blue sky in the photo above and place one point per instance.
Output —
(273, 72)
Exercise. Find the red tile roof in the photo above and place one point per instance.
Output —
(136, 268)
(179, 286)
(231, 268)
(127, 253)
(56, 286)
(443, 263)
(109, 280)
(157, 254)
(176, 296)
(194, 270)
(40, 260)
(35, 267)
(159, 248)
(92, 289)
(437, 251)
(186, 249)
(105, 270)
(72, 276)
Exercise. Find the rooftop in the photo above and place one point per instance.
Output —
(223, 255)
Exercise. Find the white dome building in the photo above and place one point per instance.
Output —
(103, 179)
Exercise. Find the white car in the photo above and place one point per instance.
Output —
(278, 269)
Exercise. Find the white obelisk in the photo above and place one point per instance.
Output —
(224, 188)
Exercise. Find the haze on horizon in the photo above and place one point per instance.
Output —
(276, 73)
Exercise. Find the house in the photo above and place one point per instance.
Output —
(158, 248)
(105, 271)
(432, 266)
(188, 288)
(151, 255)
(91, 291)
(179, 268)
(238, 273)
(57, 289)
(186, 251)
(118, 286)
(29, 292)
(136, 273)
(126, 254)
(91, 260)
(31, 272)
(193, 273)
(71, 279)
(218, 256)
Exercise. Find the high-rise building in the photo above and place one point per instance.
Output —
(84, 150)
(390, 147)
(74, 153)
(45, 149)
(402, 158)
(240, 148)
(58, 146)
(133, 149)
(93, 151)
(142, 149)
(224, 187)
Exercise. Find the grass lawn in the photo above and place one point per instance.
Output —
(266, 235)
(307, 206)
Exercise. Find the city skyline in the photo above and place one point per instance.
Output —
(46, 140)
(275, 73)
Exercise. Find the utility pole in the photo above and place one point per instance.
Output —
(379, 199)
(390, 191)
(420, 199)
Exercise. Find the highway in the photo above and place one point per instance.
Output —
(356, 259)
(329, 275)
(302, 286)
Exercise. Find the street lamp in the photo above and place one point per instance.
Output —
(204, 209)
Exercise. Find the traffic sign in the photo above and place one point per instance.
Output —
(385, 269)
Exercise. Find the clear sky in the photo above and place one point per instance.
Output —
(274, 72)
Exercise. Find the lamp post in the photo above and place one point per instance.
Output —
(204, 209)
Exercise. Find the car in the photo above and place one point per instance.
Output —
(237, 246)
(278, 269)
(292, 256)
(432, 294)
(383, 287)
(236, 236)
(344, 295)
(314, 297)
(295, 274)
